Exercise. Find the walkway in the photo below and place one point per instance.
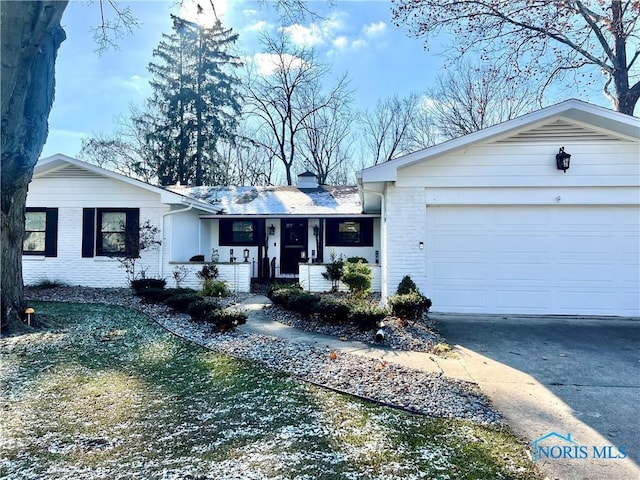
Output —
(530, 408)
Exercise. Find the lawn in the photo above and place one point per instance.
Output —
(105, 393)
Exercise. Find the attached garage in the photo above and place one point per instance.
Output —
(534, 259)
(488, 223)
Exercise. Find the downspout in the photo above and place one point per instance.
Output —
(383, 245)
(165, 214)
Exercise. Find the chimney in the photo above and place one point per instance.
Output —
(307, 180)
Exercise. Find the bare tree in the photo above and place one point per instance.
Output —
(279, 97)
(471, 98)
(544, 39)
(387, 130)
(326, 135)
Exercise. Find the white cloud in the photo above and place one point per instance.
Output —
(374, 29)
(268, 63)
(307, 36)
(341, 42)
(359, 43)
(317, 33)
(258, 26)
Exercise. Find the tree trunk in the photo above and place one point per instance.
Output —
(31, 35)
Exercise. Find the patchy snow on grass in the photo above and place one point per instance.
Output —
(108, 394)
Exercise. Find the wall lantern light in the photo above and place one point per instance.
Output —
(421, 245)
(316, 230)
(245, 252)
(272, 229)
(562, 160)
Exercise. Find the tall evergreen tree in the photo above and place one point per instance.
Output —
(194, 102)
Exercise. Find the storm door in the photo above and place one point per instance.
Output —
(294, 245)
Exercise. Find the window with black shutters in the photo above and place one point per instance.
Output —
(41, 232)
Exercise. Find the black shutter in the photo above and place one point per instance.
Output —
(51, 237)
(88, 231)
(133, 232)
(366, 232)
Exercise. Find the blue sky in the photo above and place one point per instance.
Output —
(356, 37)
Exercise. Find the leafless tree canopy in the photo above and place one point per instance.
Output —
(544, 39)
(469, 98)
(285, 98)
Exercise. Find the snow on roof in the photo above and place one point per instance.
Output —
(324, 200)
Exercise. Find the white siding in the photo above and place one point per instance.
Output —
(70, 195)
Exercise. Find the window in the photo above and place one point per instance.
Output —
(349, 232)
(110, 232)
(239, 232)
(41, 232)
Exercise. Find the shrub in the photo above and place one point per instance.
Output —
(357, 277)
(154, 294)
(304, 303)
(410, 306)
(215, 288)
(280, 296)
(367, 316)
(199, 310)
(333, 310)
(357, 259)
(46, 283)
(334, 270)
(406, 286)
(209, 271)
(181, 301)
(174, 291)
(225, 320)
(144, 283)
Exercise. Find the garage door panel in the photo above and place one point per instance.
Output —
(535, 259)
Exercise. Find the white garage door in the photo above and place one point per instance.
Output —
(539, 260)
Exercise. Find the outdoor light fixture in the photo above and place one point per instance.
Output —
(421, 245)
(245, 252)
(562, 160)
(316, 230)
(272, 229)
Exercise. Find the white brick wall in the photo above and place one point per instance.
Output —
(311, 278)
(406, 228)
(70, 196)
(237, 275)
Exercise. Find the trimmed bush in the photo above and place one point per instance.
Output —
(304, 303)
(333, 310)
(357, 276)
(410, 306)
(181, 301)
(367, 316)
(200, 309)
(407, 286)
(142, 284)
(156, 295)
(225, 320)
(357, 259)
(215, 288)
(280, 296)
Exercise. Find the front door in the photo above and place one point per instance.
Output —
(294, 245)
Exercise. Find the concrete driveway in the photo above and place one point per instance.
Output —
(578, 376)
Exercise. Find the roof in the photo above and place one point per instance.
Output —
(278, 201)
(574, 110)
(59, 164)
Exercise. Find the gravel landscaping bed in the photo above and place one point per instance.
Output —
(415, 336)
(384, 382)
